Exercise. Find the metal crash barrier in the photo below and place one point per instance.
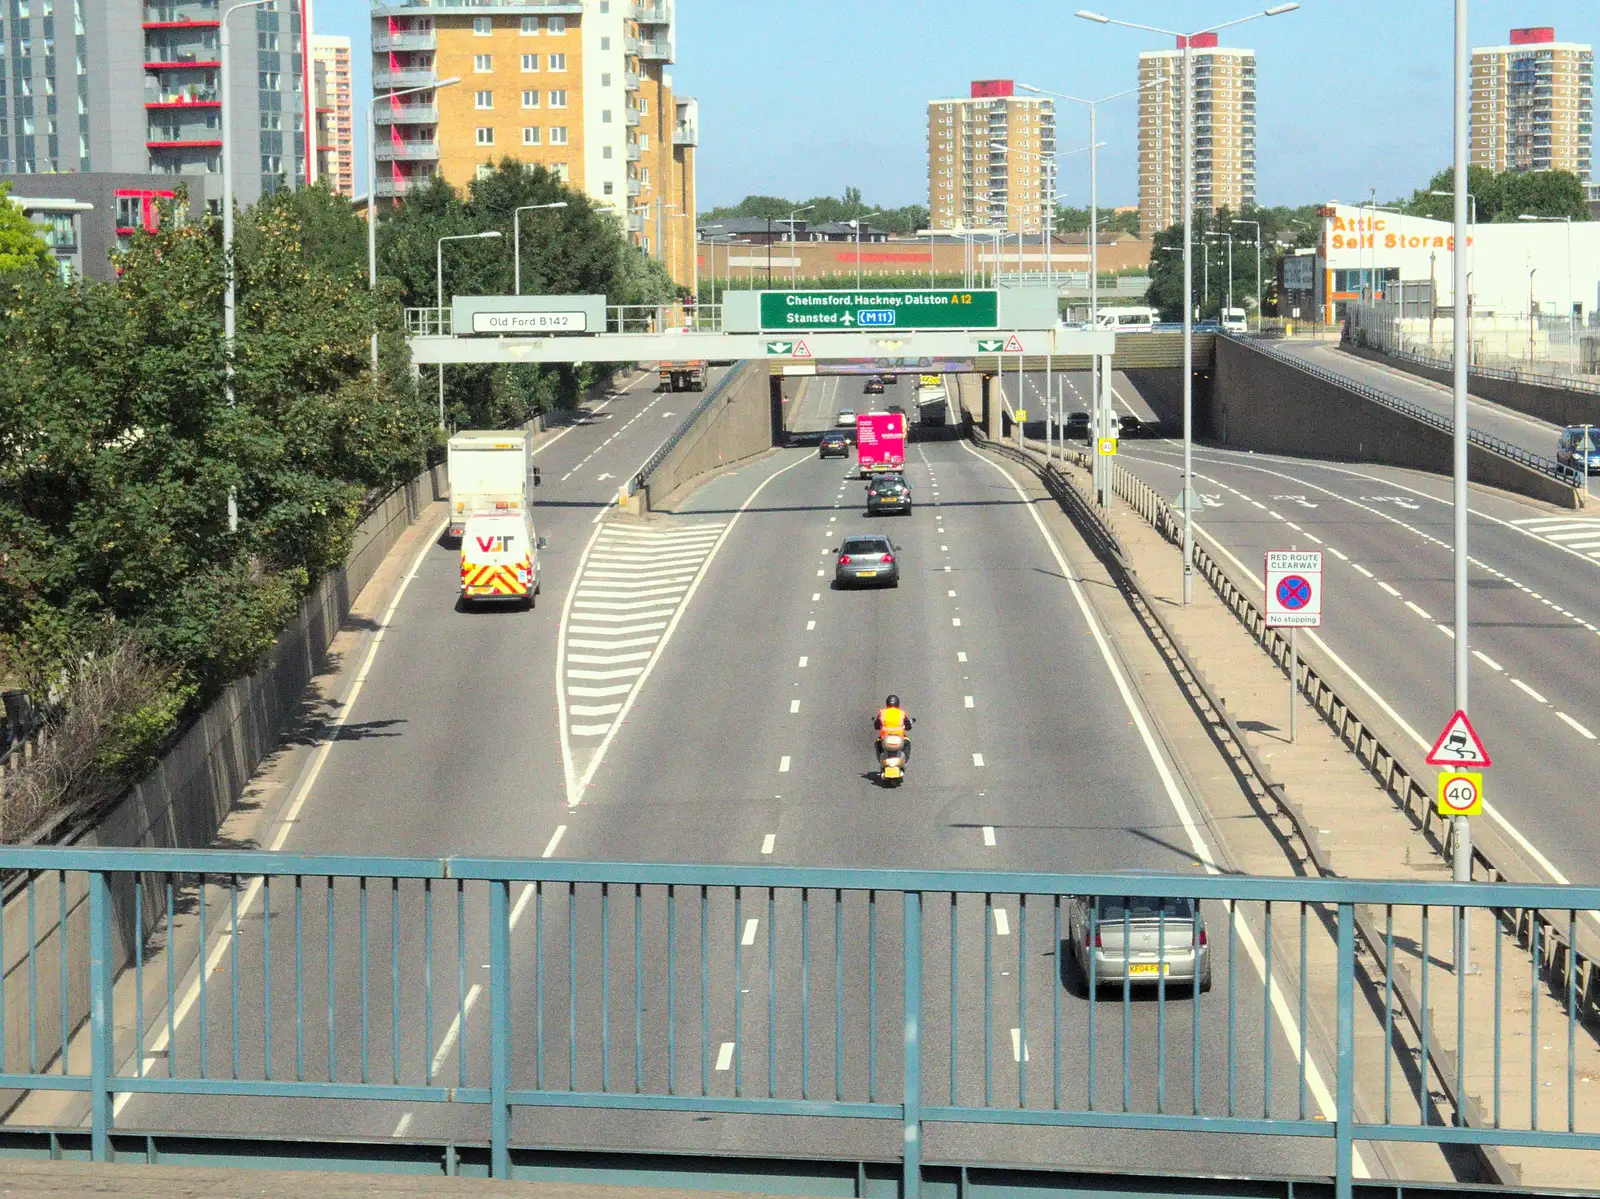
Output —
(920, 999)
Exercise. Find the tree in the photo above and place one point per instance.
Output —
(21, 247)
(1503, 196)
(826, 209)
(1283, 230)
(1076, 220)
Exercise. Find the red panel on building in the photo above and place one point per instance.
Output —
(1533, 35)
(984, 88)
(1200, 41)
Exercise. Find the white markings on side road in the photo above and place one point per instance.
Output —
(724, 1055)
(961, 655)
(1389, 589)
(1419, 611)
(1019, 1051)
(794, 705)
(783, 764)
(1362, 570)
(555, 840)
(802, 663)
(768, 842)
(1531, 693)
(1002, 923)
(1571, 723)
(977, 759)
(988, 835)
(1487, 660)
(454, 1031)
(400, 1128)
(750, 926)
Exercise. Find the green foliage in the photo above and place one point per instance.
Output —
(1283, 230)
(824, 209)
(21, 247)
(1076, 220)
(119, 447)
(577, 250)
(1503, 196)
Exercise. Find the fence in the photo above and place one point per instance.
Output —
(917, 998)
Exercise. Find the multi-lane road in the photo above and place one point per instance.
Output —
(691, 688)
(1388, 567)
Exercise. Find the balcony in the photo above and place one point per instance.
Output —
(406, 114)
(402, 186)
(633, 152)
(201, 98)
(630, 80)
(407, 151)
(634, 188)
(181, 16)
(387, 81)
(631, 117)
(385, 42)
(182, 141)
(655, 49)
(652, 14)
(685, 134)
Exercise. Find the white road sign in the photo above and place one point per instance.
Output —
(530, 322)
(1294, 588)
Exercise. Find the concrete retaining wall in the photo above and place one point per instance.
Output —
(1262, 403)
(182, 802)
(738, 424)
(1558, 405)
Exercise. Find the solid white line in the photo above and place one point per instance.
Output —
(1562, 716)
(724, 1055)
(620, 630)
(977, 759)
(988, 835)
(1002, 923)
(555, 840)
(1518, 683)
(619, 617)
(768, 842)
(589, 730)
(783, 764)
(626, 672)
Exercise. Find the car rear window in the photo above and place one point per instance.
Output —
(1140, 907)
(865, 545)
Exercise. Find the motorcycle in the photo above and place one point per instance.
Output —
(892, 755)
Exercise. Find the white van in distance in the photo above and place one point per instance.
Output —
(1233, 321)
(500, 558)
(1127, 320)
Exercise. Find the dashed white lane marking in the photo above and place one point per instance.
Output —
(1363, 570)
(400, 1128)
(1419, 611)
(794, 705)
(1487, 660)
(820, 573)
(988, 835)
(944, 549)
(783, 764)
(768, 842)
(1338, 555)
(961, 655)
(977, 759)
(555, 840)
(1529, 691)
(810, 624)
(955, 622)
(815, 596)
(1002, 923)
(1389, 589)
(1019, 1051)
(1571, 723)
(749, 936)
(1446, 630)
(724, 1055)
(966, 701)
(951, 594)
(803, 663)
(454, 1031)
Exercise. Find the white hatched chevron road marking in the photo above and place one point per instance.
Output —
(630, 586)
(1565, 532)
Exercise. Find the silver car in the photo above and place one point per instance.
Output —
(866, 560)
(1139, 939)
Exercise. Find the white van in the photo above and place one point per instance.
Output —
(1127, 320)
(500, 558)
(1233, 321)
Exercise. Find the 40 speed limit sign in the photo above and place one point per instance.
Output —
(1461, 793)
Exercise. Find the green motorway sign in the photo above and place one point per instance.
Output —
(872, 309)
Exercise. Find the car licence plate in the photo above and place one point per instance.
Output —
(866, 574)
(1150, 968)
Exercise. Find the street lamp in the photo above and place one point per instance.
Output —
(1472, 205)
(1187, 41)
(856, 224)
(516, 239)
(438, 282)
(372, 194)
(1572, 324)
(228, 273)
(1218, 234)
(1257, 225)
(794, 253)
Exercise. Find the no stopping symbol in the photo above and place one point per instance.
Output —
(1294, 592)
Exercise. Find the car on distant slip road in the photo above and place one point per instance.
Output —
(1129, 425)
(866, 559)
(1077, 425)
(1569, 453)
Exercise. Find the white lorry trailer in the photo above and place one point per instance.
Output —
(490, 471)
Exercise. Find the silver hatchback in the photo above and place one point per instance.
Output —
(1137, 938)
(866, 560)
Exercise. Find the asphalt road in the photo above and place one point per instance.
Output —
(745, 736)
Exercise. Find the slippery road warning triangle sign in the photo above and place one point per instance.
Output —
(1013, 346)
(801, 350)
(1458, 745)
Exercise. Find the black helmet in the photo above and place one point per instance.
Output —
(892, 701)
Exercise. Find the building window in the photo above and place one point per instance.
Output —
(605, 116)
(530, 99)
(644, 141)
(558, 98)
(559, 171)
(530, 135)
(556, 24)
(485, 135)
(605, 43)
(605, 151)
(558, 62)
(605, 7)
(558, 135)
(644, 106)
(530, 26)
(483, 99)
(483, 63)
(482, 26)
(530, 62)
(485, 170)
(608, 188)
(605, 79)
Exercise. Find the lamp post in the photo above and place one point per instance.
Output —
(794, 252)
(857, 225)
(1572, 323)
(228, 273)
(372, 192)
(1461, 841)
(1257, 225)
(1188, 261)
(438, 282)
(1217, 236)
(516, 239)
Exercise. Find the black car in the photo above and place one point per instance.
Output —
(889, 380)
(874, 386)
(1129, 425)
(835, 443)
(1077, 425)
(888, 493)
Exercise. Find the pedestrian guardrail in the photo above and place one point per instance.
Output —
(1494, 445)
(913, 997)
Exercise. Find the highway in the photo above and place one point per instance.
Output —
(1386, 534)
(735, 728)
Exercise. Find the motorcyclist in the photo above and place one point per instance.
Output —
(894, 719)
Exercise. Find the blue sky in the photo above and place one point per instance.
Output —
(811, 98)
